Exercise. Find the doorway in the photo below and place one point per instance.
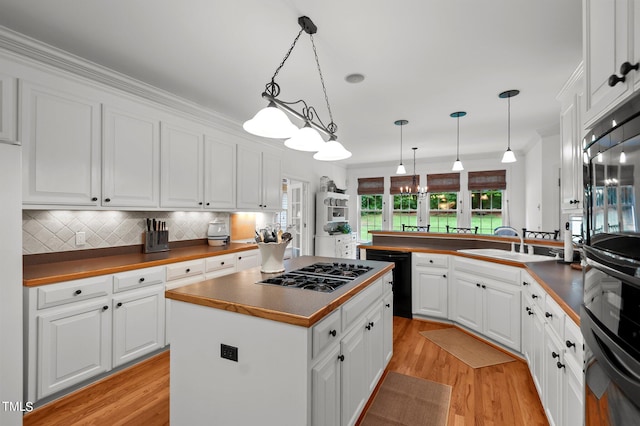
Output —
(294, 216)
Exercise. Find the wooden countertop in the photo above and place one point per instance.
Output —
(241, 292)
(58, 271)
(560, 281)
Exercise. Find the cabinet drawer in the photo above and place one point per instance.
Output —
(534, 291)
(218, 263)
(574, 342)
(138, 278)
(479, 268)
(185, 269)
(554, 316)
(73, 291)
(326, 332)
(356, 306)
(431, 260)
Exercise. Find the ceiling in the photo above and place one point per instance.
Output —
(422, 60)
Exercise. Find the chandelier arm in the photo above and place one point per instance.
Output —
(324, 89)
(307, 116)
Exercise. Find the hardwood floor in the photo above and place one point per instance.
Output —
(503, 394)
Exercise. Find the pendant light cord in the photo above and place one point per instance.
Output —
(458, 142)
(509, 122)
(401, 143)
(332, 127)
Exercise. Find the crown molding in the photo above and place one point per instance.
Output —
(38, 53)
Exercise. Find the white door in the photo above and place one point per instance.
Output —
(467, 303)
(296, 216)
(73, 345)
(138, 324)
(374, 340)
(387, 315)
(131, 159)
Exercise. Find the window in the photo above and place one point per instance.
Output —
(405, 211)
(486, 190)
(443, 200)
(486, 210)
(442, 211)
(370, 192)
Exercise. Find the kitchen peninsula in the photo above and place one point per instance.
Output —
(299, 356)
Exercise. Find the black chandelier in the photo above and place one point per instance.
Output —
(273, 122)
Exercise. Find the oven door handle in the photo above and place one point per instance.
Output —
(622, 368)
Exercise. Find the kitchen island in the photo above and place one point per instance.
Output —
(244, 352)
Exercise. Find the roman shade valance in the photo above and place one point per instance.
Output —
(491, 179)
(443, 182)
(403, 182)
(371, 186)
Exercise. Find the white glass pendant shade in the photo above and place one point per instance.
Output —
(332, 151)
(623, 157)
(270, 122)
(401, 170)
(305, 139)
(457, 166)
(509, 156)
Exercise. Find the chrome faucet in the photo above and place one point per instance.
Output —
(522, 247)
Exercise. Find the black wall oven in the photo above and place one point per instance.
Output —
(610, 315)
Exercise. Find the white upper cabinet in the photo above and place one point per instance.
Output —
(130, 159)
(259, 179)
(8, 106)
(219, 173)
(610, 40)
(571, 112)
(181, 166)
(60, 132)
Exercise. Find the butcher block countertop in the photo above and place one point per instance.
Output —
(49, 269)
(241, 293)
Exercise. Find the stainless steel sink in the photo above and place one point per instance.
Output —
(507, 255)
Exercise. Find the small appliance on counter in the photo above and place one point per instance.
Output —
(217, 233)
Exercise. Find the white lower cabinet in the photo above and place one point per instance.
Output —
(349, 367)
(555, 355)
(72, 345)
(486, 299)
(430, 284)
(138, 323)
(247, 259)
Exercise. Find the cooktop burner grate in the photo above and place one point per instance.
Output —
(323, 277)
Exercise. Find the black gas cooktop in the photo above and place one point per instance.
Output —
(324, 277)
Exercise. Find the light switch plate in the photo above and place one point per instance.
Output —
(80, 238)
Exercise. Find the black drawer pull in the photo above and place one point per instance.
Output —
(484, 286)
(444, 276)
(477, 284)
(119, 304)
(555, 355)
(341, 358)
(430, 260)
(548, 315)
(559, 365)
(531, 313)
(141, 280)
(525, 283)
(534, 296)
(77, 292)
(333, 333)
(221, 263)
(387, 305)
(105, 307)
(187, 270)
(569, 343)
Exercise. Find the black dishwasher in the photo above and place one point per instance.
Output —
(401, 278)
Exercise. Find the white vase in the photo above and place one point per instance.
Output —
(272, 257)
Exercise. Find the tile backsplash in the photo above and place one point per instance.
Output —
(46, 231)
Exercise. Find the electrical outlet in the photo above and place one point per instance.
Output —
(229, 352)
(80, 238)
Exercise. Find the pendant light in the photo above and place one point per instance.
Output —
(457, 165)
(401, 170)
(273, 121)
(509, 156)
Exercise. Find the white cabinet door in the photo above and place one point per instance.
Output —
(573, 398)
(73, 345)
(8, 108)
(571, 144)
(60, 134)
(325, 390)
(219, 173)
(247, 260)
(374, 341)
(249, 178)
(502, 313)
(431, 291)
(138, 323)
(181, 171)
(388, 328)
(467, 302)
(537, 367)
(553, 380)
(527, 330)
(354, 374)
(131, 159)
(271, 182)
(607, 38)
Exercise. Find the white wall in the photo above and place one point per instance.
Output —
(513, 203)
(542, 188)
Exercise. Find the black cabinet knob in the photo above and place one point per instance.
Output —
(626, 67)
(528, 309)
(444, 276)
(525, 283)
(548, 315)
(188, 270)
(574, 201)
(387, 305)
(200, 203)
(484, 286)
(478, 285)
(368, 327)
(371, 324)
(614, 79)
(341, 358)
(208, 204)
(555, 355)
(559, 365)
(77, 292)
(221, 263)
(530, 313)
(107, 200)
(94, 199)
(141, 279)
(333, 333)
(119, 304)
(569, 343)
(430, 260)
(534, 296)
(105, 307)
